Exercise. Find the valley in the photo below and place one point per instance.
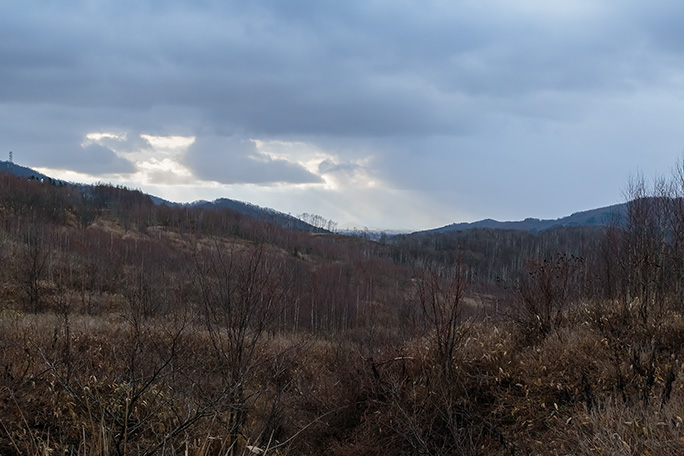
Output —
(132, 327)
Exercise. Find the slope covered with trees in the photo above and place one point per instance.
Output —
(128, 327)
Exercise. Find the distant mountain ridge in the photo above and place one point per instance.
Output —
(603, 216)
(247, 209)
(594, 217)
(22, 171)
(257, 212)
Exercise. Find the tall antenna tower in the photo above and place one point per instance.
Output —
(10, 160)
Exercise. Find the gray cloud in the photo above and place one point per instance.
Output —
(328, 166)
(98, 159)
(230, 160)
(48, 136)
(303, 68)
(444, 95)
(128, 143)
(321, 67)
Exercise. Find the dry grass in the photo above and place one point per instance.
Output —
(143, 341)
(590, 387)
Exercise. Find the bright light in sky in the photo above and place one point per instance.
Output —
(163, 156)
(100, 136)
(169, 142)
(307, 155)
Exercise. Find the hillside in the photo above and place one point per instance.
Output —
(257, 212)
(599, 217)
(239, 207)
(604, 216)
(21, 171)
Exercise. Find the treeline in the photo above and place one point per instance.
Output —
(493, 256)
(49, 201)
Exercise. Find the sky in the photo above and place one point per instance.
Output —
(387, 114)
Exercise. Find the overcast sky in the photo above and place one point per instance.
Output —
(378, 113)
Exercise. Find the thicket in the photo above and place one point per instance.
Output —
(133, 328)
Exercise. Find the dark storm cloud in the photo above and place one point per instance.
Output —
(302, 67)
(98, 159)
(128, 143)
(50, 136)
(331, 68)
(235, 161)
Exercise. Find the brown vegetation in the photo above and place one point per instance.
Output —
(130, 328)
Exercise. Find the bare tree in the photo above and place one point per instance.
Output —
(440, 293)
(241, 292)
(646, 245)
(545, 292)
(33, 262)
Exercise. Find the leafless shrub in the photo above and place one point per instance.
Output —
(544, 295)
(440, 292)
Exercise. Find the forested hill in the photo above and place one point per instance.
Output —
(591, 218)
(603, 216)
(21, 171)
(98, 191)
(258, 212)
